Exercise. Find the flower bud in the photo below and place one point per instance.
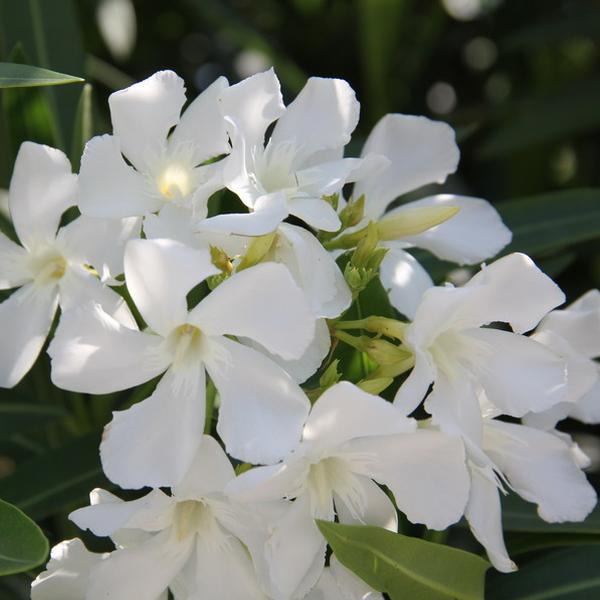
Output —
(413, 221)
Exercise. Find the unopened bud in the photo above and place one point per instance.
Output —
(331, 375)
(366, 247)
(220, 259)
(384, 352)
(375, 386)
(413, 221)
(257, 250)
(353, 213)
(332, 200)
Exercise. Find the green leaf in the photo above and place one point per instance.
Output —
(16, 417)
(14, 75)
(84, 125)
(521, 542)
(406, 567)
(23, 546)
(570, 574)
(56, 479)
(518, 515)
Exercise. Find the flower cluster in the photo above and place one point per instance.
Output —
(237, 315)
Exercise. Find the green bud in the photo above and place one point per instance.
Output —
(330, 376)
(384, 352)
(353, 213)
(257, 250)
(220, 259)
(332, 200)
(366, 247)
(215, 280)
(413, 221)
(375, 386)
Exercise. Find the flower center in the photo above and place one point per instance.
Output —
(175, 182)
(191, 517)
(275, 168)
(185, 343)
(48, 267)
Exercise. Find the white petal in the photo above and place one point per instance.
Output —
(404, 279)
(173, 223)
(159, 274)
(202, 126)
(268, 213)
(25, 320)
(414, 388)
(578, 323)
(379, 510)
(344, 412)
(154, 442)
(582, 373)
(210, 472)
(275, 482)
(352, 587)
(315, 212)
(305, 366)
(421, 151)
(253, 104)
(469, 237)
(93, 353)
(42, 187)
(323, 115)
(328, 178)
(519, 374)
(541, 468)
(513, 290)
(295, 567)
(262, 408)
(484, 516)
(143, 114)
(13, 271)
(108, 187)
(420, 468)
(142, 571)
(587, 409)
(99, 242)
(67, 572)
(108, 513)
(78, 287)
(262, 303)
(314, 270)
(218, 571)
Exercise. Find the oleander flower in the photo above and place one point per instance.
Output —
(144, 166)
(350, 441)
(262, 409)
(54, 266)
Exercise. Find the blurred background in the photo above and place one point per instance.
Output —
(519, 81)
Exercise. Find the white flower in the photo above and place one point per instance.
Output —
(338, 583)
(162, 168)
(302, 161)
(192, 541)
(52, 267)
(262, 409)
(475, 368)
(420, 152)
(67, 573)
(574, 333)
(539, 466)
(350, 439)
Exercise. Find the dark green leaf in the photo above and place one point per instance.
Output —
(14, 75)
(23, 546)
(84, 125)
(570, 574)
(56, 479)
(406, 567)
(521, 542)
(518, 515)
(16, 417)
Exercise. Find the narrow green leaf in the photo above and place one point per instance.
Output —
(57, 479)
(406, 567)
(84, 125)
(16, 417)
(14, 75)
(23, 546)
(570, 574)
(521, 542)
(518, 515)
